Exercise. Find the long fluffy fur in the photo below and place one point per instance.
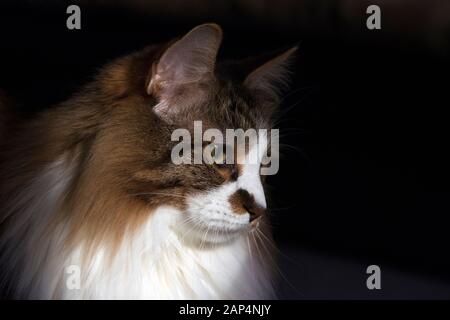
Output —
(150, 262)
(88, 186)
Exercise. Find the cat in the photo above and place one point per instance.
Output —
(93, 208)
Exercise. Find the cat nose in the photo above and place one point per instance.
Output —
(248, 202)
(243, 201)
(254, 211)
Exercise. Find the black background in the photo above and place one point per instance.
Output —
(364, 177)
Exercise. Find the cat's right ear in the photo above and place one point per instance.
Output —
(189, 60)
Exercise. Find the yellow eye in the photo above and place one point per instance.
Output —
(218, 154)
(265, 165)
(214, 153)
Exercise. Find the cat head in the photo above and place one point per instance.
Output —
(144, 98)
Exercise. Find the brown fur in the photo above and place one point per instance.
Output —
(121, 149)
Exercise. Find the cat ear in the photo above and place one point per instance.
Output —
(273, 76)
(188, 60)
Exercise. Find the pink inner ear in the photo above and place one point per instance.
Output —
(189, 59)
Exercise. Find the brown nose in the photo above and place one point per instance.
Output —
(249, 204)
(243, 202)
(255, 211)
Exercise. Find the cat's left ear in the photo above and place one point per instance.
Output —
(189, 60)
(273, 76)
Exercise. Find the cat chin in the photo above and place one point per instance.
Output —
(211, 237)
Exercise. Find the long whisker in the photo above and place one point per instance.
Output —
(249, 248)
(256, 244)
(274, 263)
(193, 224)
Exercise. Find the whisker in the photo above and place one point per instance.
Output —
(274, 263)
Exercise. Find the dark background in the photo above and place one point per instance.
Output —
(364, 177)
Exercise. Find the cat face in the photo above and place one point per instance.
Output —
(234, 206)
(96, 175)
(191, 87)
(119, 131)
(216, 201)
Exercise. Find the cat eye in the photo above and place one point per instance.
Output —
(219, 154)
(265, 165)
(215, 153)
(266, 161)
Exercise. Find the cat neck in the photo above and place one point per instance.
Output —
(151, 262)
(155, 263)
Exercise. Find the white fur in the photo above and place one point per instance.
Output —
(156, 263)
(250, 179)
(210, 218)
(24, 237)
(159, 261)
